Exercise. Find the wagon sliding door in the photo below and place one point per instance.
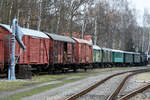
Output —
(68, 53)
(65, 52)
(1, 54)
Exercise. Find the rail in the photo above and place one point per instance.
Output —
(115, 93)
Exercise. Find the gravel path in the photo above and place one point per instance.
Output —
(8, 93)
(71, 88)
(103, 91)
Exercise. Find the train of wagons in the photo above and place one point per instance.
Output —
(51, 52)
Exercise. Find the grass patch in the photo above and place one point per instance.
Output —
(20, 95)
(37, 79)
(8, 86)
(48, 78)
(12, 85)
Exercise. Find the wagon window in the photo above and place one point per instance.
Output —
(119, 55)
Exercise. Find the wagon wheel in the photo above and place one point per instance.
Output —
(85, 69)
(74, 70)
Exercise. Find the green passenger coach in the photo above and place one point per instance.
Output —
(128, 58)
(97, 54)
(106, 56)
(117, 56)
(137, 58)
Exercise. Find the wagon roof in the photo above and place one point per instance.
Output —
(108, 49)
(131, 52)
(113, 50)
(125, 51)
(118, 51)
(61, 38)
(96, 47)
(26, 31)
(83, 41)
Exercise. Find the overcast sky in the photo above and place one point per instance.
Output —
(140, 5)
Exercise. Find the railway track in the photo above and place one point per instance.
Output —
(114, 94)
(135, 92)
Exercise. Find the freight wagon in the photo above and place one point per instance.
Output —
(37, 44)
(51, 52)
(83, 53)
(44, 51)
(1, 53)
(61, 53)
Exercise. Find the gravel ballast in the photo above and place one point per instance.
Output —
(103, 91)
(136, 82)
(142, 96)
(71, 88)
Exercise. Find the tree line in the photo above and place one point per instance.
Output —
(111, 23)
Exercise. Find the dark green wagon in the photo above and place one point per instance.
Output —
(106, 56)
(137, 58)
(128, 58)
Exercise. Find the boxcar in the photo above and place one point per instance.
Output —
(61, 52)
(1, 53)
(106, 56)
(43, 50)
(83, 55)
(97, 56)
(37, 44)
(117, 57)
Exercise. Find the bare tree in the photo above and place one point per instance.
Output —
(113, 25)
(146, 23)
(39, 16)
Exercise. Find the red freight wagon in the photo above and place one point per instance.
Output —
(1, 52)
(61, 52)
(37, 47)
(37, 51)
(83, 51)
(44, 51)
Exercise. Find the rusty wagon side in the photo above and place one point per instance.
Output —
(1, 52)
(61, 53)
(83, 55)
(36, 54)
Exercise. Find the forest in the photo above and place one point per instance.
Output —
(111, 23)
